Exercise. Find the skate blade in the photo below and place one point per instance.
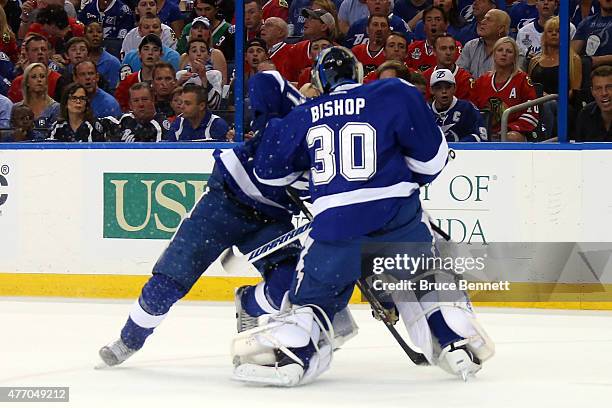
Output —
(101, 366)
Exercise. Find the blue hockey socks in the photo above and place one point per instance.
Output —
(255, 300)
(158, 295)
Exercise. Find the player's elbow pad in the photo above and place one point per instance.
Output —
(431, 167)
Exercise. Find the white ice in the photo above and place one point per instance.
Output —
(544, 359)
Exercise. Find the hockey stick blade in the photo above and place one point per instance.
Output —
(233, 260)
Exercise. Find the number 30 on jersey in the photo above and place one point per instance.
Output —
(356, 158)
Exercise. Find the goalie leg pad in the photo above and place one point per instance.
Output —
(458, 315)
(292, 348)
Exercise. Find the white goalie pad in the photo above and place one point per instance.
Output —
(254, 351)
(458, 315)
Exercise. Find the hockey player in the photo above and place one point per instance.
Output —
(368, 149)
(235, 210)
(459, 119)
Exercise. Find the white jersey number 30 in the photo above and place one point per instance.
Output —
(357, 155)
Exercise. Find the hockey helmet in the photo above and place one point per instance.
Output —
(336, 66)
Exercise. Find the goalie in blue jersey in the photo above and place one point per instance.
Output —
(368, 149)
(235, 210)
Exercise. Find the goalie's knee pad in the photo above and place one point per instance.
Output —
(294, 347)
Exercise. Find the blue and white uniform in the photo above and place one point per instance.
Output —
(358, 31)
(461, 122)
(236, 165)
(368, 148)
(117, 20)
(235, 210)
(211, 128)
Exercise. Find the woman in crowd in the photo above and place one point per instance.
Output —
(75, 122)
(505, 86)
(544, 67)
(35, 96)
(544, 70)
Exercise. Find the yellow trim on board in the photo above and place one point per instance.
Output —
(215, 288)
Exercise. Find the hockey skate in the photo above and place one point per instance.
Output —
(115, 353)
(244, 321)
(457, 359)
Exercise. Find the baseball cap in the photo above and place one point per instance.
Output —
(150, 39)
(201, 20)
(441, 75)
(257, 42)
(324, 16)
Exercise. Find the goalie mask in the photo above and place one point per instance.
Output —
(336, 66)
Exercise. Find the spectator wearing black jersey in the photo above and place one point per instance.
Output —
(142, 124)
(75, 122)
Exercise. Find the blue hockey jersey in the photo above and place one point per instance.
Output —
(358, 32)
(117, 20)
(271, 96)
(461, 122)
(368, 148)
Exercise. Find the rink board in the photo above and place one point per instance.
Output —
(92, 222)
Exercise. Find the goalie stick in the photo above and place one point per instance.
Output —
(381, 313)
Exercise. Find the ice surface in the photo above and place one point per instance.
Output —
(544, 359)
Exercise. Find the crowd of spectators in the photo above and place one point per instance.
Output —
(495, 54)
(116, 70)
(163, 70)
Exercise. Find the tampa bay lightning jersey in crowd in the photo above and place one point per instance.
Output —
(461, 122)
(271, 96)
(117, 20)
(368, 148)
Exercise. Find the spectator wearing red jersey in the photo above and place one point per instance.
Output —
(421, 54)
(316, 47)
(150, 53)
(252, 18)
(445, 48)
(36, 49)
(371, 54)
(504, 87)
(396, 49)
(274, 32)
(53, 23)
(319, 23)
(275, 8)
